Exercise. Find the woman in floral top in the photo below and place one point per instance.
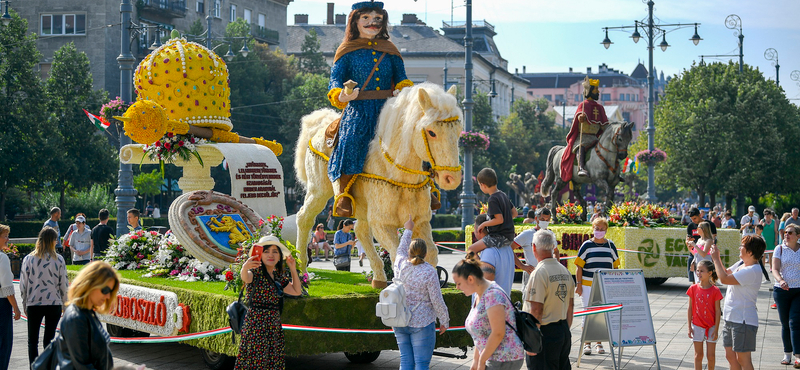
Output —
(424, 297)
(496, 344)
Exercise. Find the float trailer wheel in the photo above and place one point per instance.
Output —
(362, 357)
(218, 361)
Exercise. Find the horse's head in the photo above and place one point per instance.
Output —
(617, 137)
(431, 128)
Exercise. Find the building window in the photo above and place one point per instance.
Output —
(218, 8)
(201, 7)
(559, 98)
(63, 24)
(233, 13)
(248, 14)
(622, 97)
(262, 20)
(548, 97)
(626, 116)
(605, 97)
(577, 97)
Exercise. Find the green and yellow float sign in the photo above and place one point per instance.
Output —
(659, 252)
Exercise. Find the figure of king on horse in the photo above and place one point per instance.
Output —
(589, 123)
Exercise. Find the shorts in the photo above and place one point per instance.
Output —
(700, 334)
(495, 241)
(741, 337)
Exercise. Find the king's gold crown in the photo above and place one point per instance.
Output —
(189, 81)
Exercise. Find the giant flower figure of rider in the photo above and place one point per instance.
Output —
(368, 59)
(587, 126)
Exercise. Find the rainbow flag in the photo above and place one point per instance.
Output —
(100, 122)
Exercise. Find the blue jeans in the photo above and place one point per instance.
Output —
(788, 302)
(6, 332)
(416, 346)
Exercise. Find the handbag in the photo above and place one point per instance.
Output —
(341, 261)
(50, 357)
(527, 328)
(236, 313)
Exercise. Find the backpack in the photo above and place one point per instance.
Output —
(526, 328)
(392, 307)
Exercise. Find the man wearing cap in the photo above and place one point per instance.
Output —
(80, 241)
(749, 222)
(367, 57)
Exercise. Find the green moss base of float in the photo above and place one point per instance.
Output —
(338, 300)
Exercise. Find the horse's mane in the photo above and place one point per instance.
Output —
(402, 118)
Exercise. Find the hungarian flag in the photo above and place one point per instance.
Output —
(98, 121)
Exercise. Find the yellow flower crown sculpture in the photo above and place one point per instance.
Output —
(182, 87)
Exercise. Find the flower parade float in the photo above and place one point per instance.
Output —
(646, 237)
(177, 286)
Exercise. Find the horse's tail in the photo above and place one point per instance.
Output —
(550, 173)
(310, 125)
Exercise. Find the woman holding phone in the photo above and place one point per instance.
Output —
(262, 345)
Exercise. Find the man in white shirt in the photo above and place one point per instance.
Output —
(749, 222)
(739, 308)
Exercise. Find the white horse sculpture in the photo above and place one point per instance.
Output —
(423, 123)
(603, 165)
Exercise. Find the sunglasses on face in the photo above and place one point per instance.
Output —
(789, 232)
(105, 290)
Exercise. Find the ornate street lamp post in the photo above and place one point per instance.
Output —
(772, 54)
(125, 192)
(652, 32)
(734, 22)
(467, 195)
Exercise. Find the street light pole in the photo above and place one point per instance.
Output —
(651, 127)
(467, 195)
(125, 192)
(734, 22)
(772, 54)
(652, 29)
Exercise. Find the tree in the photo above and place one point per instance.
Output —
(85, 156)
(728, 132)
(148, 184)
(196, 28)
(24, 133)
(311, 59)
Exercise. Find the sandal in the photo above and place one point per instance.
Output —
(587, 349)
(785, 362)
(797, 363)
(599, 348)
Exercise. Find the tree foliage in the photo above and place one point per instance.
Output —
(310, 59)
(727, 132)
(84, 155)
(23, 129)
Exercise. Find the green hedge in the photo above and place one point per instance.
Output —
(342, 311)
(30, 229)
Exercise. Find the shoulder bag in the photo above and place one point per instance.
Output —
(236, 313)
(527, 328)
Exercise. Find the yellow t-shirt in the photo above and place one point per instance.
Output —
(551, 285)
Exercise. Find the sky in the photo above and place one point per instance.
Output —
(551, 36)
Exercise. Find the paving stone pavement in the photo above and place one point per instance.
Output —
(668, 304)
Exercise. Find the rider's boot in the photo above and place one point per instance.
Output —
(582, 162)
(343, 206)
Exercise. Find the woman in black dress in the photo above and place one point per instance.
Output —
(262, 345)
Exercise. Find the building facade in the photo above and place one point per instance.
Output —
(628, 94)
(94, 27)
(428, 54)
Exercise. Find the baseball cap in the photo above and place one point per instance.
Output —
(751, 209)
(80, 219)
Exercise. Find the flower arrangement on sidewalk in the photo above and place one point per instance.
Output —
(133, 250)
(11, 250)
(569, 213)
(651, 157)
(635, 214)
(473, 140)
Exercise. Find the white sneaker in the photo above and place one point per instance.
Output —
(587, 349)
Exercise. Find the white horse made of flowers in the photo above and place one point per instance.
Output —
(423, 123)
